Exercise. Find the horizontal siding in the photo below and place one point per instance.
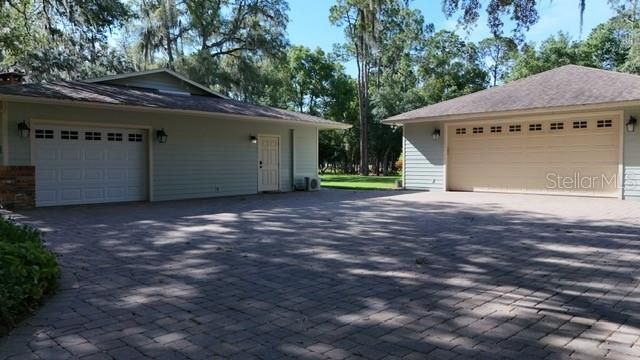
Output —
(632, 160)
(203, 157)
(423, 158)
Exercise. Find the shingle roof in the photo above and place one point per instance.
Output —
(568, 85)
(117, 95)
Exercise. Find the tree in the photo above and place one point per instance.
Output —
(360, 17)
(523, 12)
(227, 27)
(498, 52)
(554, 52)
(450, 67)
(58, 39)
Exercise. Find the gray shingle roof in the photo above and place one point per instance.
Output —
(568, 85)
(116, 95)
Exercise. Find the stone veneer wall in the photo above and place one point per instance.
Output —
(17, 187)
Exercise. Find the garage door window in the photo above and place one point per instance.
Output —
(496, 129)
(478, 130)
(461, 131)
(92, 136)
(68, 135)
(44, 134)
(535, 127)
(135, 137)
(557, 126)
(605, 123)
(515, 128)
(579, 124)
(114, 136)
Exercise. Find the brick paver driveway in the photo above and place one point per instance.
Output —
(341, 274)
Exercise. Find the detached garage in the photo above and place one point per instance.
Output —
(568, 131)
(146, 136)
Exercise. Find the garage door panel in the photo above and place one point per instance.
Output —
(522, 161)
(89, 165)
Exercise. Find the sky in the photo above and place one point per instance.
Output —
(309, 22)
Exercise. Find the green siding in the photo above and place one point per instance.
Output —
(204, 156)
(423, 157)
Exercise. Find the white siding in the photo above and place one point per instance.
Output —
(203, 157)
(160, 81)
(632, 159)
(423, 157)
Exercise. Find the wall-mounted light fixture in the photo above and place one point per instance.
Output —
(436, 134)
(631, 124)
(23, 129)
(162, 136)
(253, 139)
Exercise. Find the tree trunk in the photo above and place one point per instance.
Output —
(363, 97)
(385, 162)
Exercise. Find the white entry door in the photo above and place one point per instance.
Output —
(83, 165)
(268, 163)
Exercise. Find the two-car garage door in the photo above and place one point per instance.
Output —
(80, 165)
(577, 156)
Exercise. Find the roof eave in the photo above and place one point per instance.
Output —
(98, 105)
(507, 113)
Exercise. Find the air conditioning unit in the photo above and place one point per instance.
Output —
(307, 183)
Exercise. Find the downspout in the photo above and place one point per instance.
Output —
(292, 166)
(4, 108)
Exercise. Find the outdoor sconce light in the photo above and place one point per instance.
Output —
(253, 139)
(436, 134)
(162, 136)
(631, 124)
(23, 129)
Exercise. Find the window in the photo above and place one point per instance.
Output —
(135, 137)
(579, 124)
(605, 123)
(114, 136)
(459, 131)
(557, 126)
(535, 127)
(44, 134)
(496, 129)
(515, 128)
(478, 130)
(92, 135)
(68, 135)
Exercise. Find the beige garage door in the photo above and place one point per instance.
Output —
(577, 156)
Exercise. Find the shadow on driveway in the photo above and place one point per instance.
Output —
(342, 274)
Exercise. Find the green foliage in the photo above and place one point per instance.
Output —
(355, 182)
(28, 272)
(523, 13)
(554, 52)
(450, 67)
(499, 52)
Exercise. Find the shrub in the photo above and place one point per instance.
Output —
(399, 163)
(28, 272)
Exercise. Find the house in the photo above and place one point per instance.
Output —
(149, 136)
(572, 131)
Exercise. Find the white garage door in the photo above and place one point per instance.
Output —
(578, 156)
(83, 165)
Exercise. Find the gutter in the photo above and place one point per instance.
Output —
(96, 105)
(511, 113)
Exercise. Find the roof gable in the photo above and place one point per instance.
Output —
(162, 80)
(569, 85)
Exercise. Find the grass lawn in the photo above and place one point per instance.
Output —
(357, 182)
